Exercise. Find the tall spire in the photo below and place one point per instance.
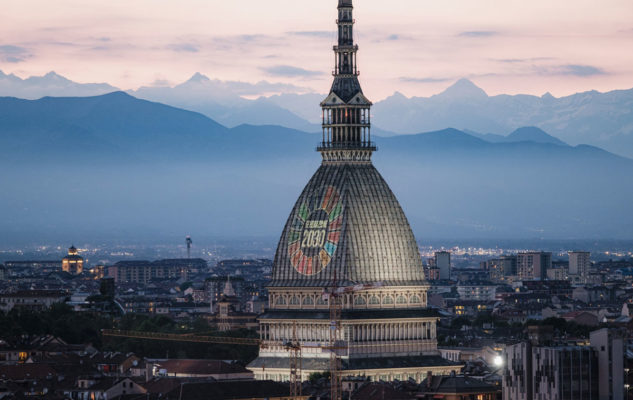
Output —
(346, 111)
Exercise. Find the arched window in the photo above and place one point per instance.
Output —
(307, 301)
(359, 301)
(374, 300)
(401, 300)
(387, 300)
(294, 300)
(280, 301)
(321, 301)
(414, 299)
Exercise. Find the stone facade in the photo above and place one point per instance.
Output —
(348, 229)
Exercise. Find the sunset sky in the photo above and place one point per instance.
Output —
(417, 47)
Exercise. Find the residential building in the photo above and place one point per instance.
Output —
(185, 368)
(476, 290)
(565, 373)
(143, 272)
(534, 372)
(579, 264)
(609, 344)
(433, 274)
(456, 387)
(31, 299)
(533, 265)
(557, 274)
(501, 268)
(443, 263)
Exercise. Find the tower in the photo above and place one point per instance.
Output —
(346, 114)
(348, 229)
(73, 263)
(188, 242)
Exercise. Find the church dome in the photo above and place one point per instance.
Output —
(347, 223)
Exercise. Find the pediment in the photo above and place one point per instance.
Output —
(332, 100)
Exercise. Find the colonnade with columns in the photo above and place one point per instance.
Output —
(412, 336)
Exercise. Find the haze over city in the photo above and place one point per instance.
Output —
(207, 200)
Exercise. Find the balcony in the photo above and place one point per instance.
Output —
(363, 145)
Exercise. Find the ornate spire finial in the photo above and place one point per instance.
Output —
(346, 116)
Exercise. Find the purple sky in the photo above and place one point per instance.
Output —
(417, 47)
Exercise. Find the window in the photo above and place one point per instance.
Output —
(401, 300)
(387, 300)
(280, 301)
(359, 301)
(294, 300)
(374, 300)
(308, 301)
(414, 299)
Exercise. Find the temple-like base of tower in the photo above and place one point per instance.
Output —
(379, 368)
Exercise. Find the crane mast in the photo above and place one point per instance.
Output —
(294, 347)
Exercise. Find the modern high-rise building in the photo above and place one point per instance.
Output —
(550, 372)
(501, 268)
(443, 262)
(610, 345)
(533, 265)
(579, 264)
(348, 229)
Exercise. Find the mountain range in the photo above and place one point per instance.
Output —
(123, 167)
(599, 119)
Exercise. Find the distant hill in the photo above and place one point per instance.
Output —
(52, 83)
(117, 166)
(101, 127)
(599, 119)
(525, 134)
(223, 102)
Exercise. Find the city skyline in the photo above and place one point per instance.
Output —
(417, 48)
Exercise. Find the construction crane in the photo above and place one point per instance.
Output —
(188, 241)
(293, 346)
(334, 296)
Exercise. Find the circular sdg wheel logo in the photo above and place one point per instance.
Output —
(316, 231)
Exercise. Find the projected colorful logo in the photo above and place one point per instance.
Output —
(316, 231)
